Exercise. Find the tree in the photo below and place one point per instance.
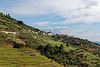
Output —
(7, 28)
(18, 45)
(8, 16)
(1, 28)
(67, 44)
(61, 48)
(48, 46)
(41, 47)
(20, 22)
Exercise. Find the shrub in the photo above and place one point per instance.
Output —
(32, 55)
(20, 22)
(18, 45)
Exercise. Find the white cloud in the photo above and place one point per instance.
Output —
(92, 36)
(80, 32)
(41, 23)
(57, 30)
(75, 11)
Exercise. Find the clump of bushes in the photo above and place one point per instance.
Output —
(18, 45)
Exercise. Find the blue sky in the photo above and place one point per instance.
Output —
(79, 18)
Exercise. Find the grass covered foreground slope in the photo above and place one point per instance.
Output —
(29, 49)
(9, 24)
(12, 54)
(21, 56)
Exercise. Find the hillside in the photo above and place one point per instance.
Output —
(24, 57)
(23, 45)
(9, 24)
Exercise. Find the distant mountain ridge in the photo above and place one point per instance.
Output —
(96, 42)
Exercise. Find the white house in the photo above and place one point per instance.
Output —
(49, 33)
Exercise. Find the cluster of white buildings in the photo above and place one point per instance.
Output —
(50, 34)
(47, 33)
(43, 33)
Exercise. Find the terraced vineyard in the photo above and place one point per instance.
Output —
(21, 57)
(25, 57)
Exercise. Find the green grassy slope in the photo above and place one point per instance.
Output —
(25, 57)
(9, 24)
(13, 57)
(22, 49)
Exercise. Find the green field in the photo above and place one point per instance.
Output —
(25, 57)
